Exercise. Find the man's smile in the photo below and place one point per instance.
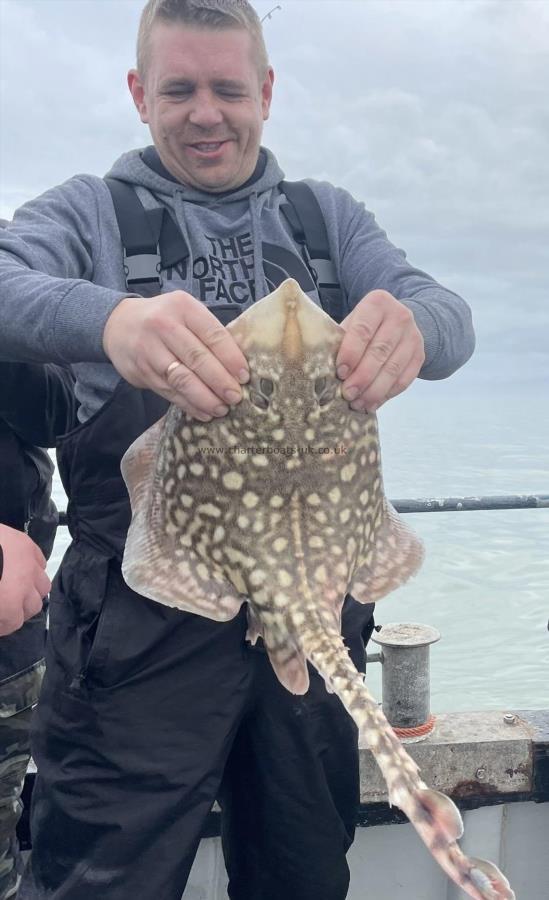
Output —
(207, 149)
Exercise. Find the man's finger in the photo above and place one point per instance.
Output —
(192, 392)
(375, 391)
(360, 327)
(220, 342)
(200, 359)
(184, 388)
(398, 373)
(384, 353)
(408, 376)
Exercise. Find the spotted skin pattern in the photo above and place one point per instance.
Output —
(281, 504)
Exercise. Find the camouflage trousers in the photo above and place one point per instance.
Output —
(18, 695)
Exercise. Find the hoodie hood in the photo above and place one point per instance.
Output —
(132, 168)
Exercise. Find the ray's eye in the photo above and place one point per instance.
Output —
(260, 392)
(266, 386)
(258, 400)
(324, 390)
(320, 384)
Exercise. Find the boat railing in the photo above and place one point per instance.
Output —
(452, 504)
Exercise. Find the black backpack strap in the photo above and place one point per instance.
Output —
(151, 240)
(306, 221)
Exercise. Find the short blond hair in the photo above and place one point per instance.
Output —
(214, 14)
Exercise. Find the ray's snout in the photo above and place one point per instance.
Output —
(292, 342)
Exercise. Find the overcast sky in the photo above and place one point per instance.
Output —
(434, 112)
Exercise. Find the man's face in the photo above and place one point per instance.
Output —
(204, 103)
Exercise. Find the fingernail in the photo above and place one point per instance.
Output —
(350, 393)
(243, 376)
(232, 396)
(221, 410)
(342, 371)
(356, 407)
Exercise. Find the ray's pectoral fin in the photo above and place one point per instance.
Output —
(396, 555)
(138, 465)
(290, 667)
(255, 628)
(287, 660)
(156, 563)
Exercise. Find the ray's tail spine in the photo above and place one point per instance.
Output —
(336, 667)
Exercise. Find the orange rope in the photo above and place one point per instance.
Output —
(418, 731)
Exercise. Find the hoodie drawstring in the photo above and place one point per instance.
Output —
(182, 222)
(259, 278)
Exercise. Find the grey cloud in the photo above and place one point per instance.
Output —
(435, 115)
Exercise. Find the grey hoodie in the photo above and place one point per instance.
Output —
(61, 268)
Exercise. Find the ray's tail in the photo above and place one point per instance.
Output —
(434, 816)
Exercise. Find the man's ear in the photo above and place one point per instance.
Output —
(267, 93)
(137, 90)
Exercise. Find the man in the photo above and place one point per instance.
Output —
(147, 713)
(36, 402)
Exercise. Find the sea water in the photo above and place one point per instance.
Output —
(485, 580)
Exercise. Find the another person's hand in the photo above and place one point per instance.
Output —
(24, 582)
(173, 345)
(381, 353)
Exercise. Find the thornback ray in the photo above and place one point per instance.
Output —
(280, 504)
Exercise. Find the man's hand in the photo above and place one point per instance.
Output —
(381, 352)
(174, 346)
(24, 582)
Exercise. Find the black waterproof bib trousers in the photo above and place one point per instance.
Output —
(149, 714)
